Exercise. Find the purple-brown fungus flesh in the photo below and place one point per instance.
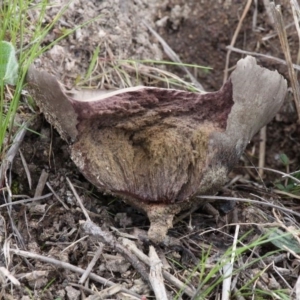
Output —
(159, 148)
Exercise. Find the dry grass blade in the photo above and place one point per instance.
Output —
(74, 243)
(103, 294)
(173, 56)
(279, 24)
(284, 175)
(26, 200)
(235, 35)
(11, 153)
(26, 169)
(78, 200)
(296, 14)
(56, 196)
(121, 73)
(279, 192)
(281, 61)
(91, 265)
(109, 292)
(6, 162)
(262, 150)
(5, 273)
(252, 201)
(158, 75)
(297, 288)
(228, 268)
(41, 184)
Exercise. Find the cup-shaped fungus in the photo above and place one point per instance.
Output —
(159, 148)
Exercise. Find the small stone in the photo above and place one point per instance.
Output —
(72, 294)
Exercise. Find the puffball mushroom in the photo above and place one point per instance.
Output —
(159, 148)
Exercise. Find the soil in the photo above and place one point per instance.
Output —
(198, 32)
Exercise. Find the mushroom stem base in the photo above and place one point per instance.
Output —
(161, 220)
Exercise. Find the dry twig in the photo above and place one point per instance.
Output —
(279, 24)
(70, 267)
(26, 169)
(155, 275)
(262, 150)
(78, 200)
(252, 201)
(296, 14)
(235, 35)
(10, 154)
(172, 279)
(91, 265)
(41, 184)
(5, 273)
(57, 197)
(26, 200)
(108, 239)
(281, 61)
